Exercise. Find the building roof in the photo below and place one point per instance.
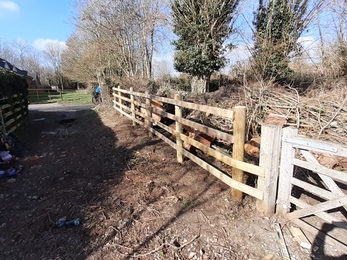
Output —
(8, 66)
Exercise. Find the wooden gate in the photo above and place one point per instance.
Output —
(312, 188)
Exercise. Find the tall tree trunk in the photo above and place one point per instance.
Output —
(200, 84)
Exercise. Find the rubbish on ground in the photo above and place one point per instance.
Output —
(5, 155)
(282, 243)
(10, 148)
(39, 119)
(48, 133)
(19, 168)
(8, 173)
(11, 143)
(300, 237)
(68, 223)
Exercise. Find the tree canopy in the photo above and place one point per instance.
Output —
(202, 26)
(278, 26)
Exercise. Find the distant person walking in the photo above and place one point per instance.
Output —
(97, 96)
(98, 90)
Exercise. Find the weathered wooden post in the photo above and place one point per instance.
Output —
(179, 130)
(269, 159)
(286, 172)
(38, 95)
(132, 106)
(149, 113)
(120, 100)
(239, 129)
(114, 98)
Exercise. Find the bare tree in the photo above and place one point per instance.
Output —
(21, 49)
(6, 51)
(124, 33)
(53, 53)
(75, 62)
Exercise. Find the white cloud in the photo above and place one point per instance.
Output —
(41, 43)
(311, 49)
(240, 53)
(8, 6)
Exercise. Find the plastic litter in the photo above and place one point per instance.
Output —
(68, 223)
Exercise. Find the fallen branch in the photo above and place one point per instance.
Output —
(335, 115)
(156, 249)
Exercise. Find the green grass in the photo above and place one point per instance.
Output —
(69, 97)
(76, 97)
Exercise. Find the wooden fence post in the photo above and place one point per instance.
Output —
(269, 159)
(114, 98)
(239, 129)
(37, 94)
(120, 100)
(149, 113)
(286, 172)
(132, 106)
(179, 130)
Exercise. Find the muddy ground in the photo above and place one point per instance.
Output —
(133, 199)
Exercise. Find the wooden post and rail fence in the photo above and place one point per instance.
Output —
(282, 153)
(13, 111)
(43, 94)
(147, 113)
(36, 94)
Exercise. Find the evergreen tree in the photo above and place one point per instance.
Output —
(202, 26)
(278, 26)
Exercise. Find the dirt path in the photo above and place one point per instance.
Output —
(132, 197)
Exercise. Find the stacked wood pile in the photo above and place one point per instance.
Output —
(196, 135)
(188, 131)
(319, 116)
(322, 117)
(156, 104)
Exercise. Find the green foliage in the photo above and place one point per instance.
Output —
(278, 25)
(12, 83)
(214, 84)
(202, 27)
(181, 83)
(186, 202)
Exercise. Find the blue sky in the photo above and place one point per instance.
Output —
(36, 21)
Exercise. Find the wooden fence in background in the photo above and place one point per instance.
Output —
(146, 113)
(35, 94)
(13, 112)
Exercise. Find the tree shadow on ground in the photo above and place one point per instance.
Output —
(72, 159)
(320, 243)
(114, 179)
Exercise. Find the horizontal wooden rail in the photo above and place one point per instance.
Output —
(204, 108)
(339, 222)
(325, 194)
(130, 112)
(14, 111)
(337, 175)
(205, 129)
(214, 171)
